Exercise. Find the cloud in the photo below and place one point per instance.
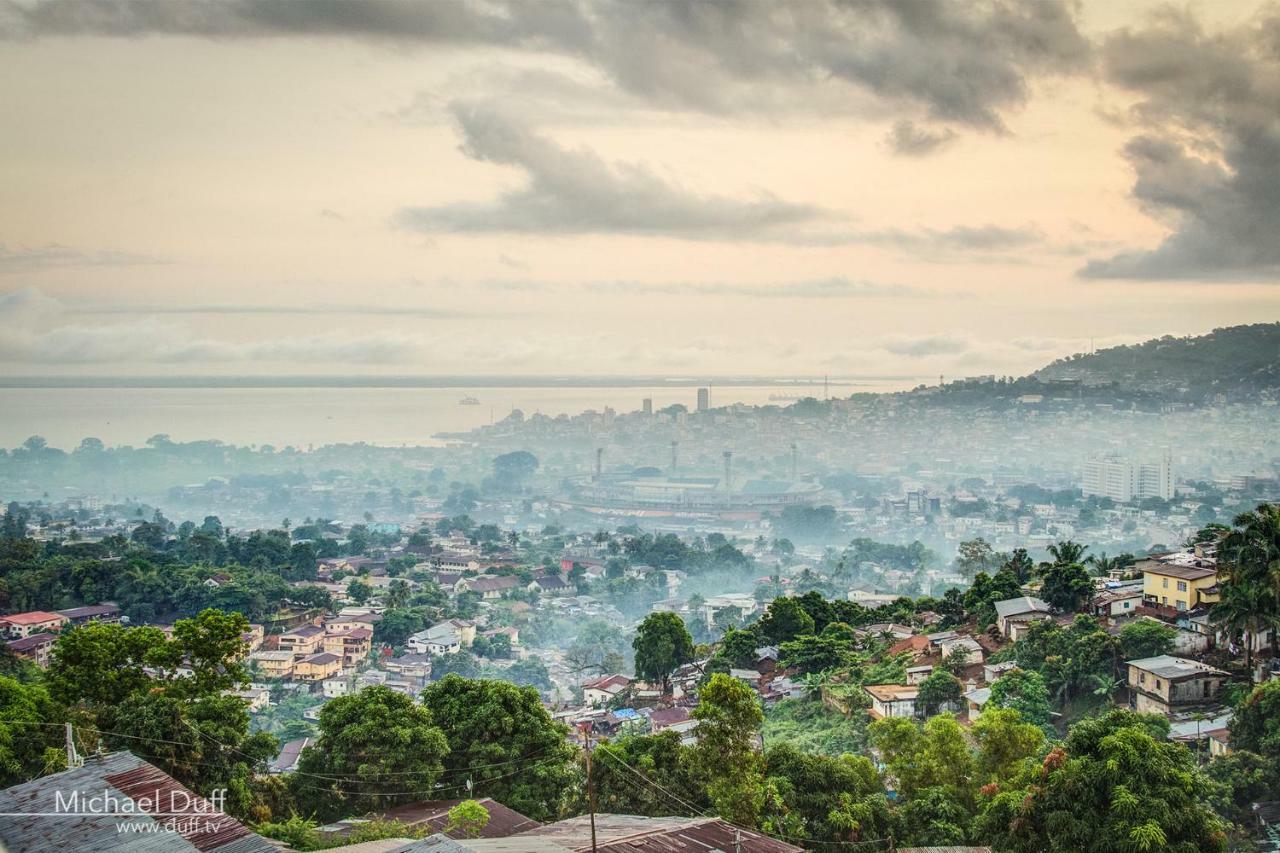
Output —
(230, 309)
(960, 62)
(911, 140)
(973, 241)
(576, 192)
(828, 288)
(37, 333)
(53, 255)
(1207, 159)
(928, 345)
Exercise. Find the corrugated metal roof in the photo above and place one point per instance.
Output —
(38, 821)
(634, 834)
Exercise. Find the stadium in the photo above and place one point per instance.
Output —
(691, 497)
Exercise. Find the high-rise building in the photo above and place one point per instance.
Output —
(1124, 480)
(646, 405)
(704, 399)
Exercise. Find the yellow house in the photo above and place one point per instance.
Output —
(303, 641)
(1179, 587)
(352, 646)
(278, 664)
(317, 667)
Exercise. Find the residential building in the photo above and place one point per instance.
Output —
(412, 666)
(273, 664)
(334, 688)
(107, 612)
(36, 648)
(18, 625)
(488, 586)
(891, 700)
(286, 761)
(256, 697)
(1182, 587)
(1015, 615)
(744, 603)
(1165, 683)
(601, 691)
(1124, 480)
(303, 641)
(317, 667)
(1118, 599)
(552, 585)
(352, 646)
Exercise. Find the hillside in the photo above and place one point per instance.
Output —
(1238, 362)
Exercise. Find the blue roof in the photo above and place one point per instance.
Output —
(626, 713)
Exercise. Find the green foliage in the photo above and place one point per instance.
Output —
(941, 689)
(825, 798)
(28, 727)
(1070, 659)
(1023, 691)
(493, 727)
(1115, 784)
(662, 644)
(1146, 638)
(658, 757)
(467, 820)
(379, 743)
(729, 717)
(785, 620)
(1066, 585)
(1256, 724)
(810, 726)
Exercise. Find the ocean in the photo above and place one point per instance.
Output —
(317, 415)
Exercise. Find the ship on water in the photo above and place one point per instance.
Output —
(468, 401)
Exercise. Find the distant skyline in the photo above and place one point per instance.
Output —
(265, 188)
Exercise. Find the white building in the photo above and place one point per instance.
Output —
(1124, 480)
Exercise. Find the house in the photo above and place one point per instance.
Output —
(18, 625)
(917, 674)
(634, 834)
(256, 697)
(218, 580)
(36, 648)
(675, 719)
(977, 699)
(464, 628)
(273, 664)
(411, 666)
(1015, 615)
(342, 623)
(552, 585)
(334, 688)
(891, 700)
(744, 603)
(1118, 600)
(1182, 587)
(992, 671)
(107, 612)
(317, 667)
(967, 646)
(750, 676)
(877, 630)
(510, 632)
(286, 761)
(254, 636)
(488, 586)
(352, 646)
(1165, 683)
(160, 815)
(602, 691)
(303, 641)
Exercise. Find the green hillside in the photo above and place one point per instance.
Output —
(1238, 362)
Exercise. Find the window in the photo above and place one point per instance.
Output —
(1182, 586)
(1126, 605)
(1164, 582)
(1142, 678)
(1182, 605)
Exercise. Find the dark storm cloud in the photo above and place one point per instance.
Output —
(911, 140)
(1207, 162)
(965, 63)
(574, 191)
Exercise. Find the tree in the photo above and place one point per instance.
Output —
(467, 820)
(1146, 638)
(939, 690)
(823, 797)
(662, 644)
(98, 665)
(359, 591)
(1020, 565)
(595, 642)
(397, 626)
(659, 757)
(28, 730)
(935, 756)
(729, 718)
(1245, 607)
(512, 469)
(372, 744)
(1066, 586)
(812, 653)
(784, 620)
(1070, 659)
(1005, 743)
(975, 555)
(1256, 724)
(1024, 691)
(1116, 784)
(493, 728)
(1067, 552)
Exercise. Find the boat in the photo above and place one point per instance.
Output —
(468, 401)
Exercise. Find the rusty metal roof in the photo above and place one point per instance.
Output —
(634, 834)
(41, 815)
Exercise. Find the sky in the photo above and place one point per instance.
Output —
(852, 187)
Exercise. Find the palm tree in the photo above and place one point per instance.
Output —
(1252, 549)
(1104, 565)
(1244, 608)
(1067, 552)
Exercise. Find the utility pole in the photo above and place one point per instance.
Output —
(73, 760)
(591, 784)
